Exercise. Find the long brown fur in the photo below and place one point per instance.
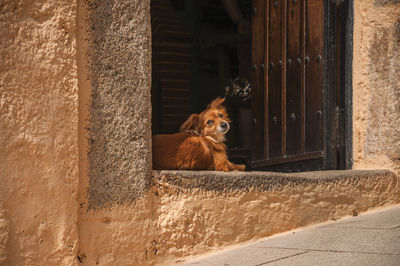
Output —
(199, 145)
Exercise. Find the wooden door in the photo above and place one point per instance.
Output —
(289, 73)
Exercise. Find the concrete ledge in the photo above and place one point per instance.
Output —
(261, 181)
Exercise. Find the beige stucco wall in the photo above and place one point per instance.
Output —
(173, 221)
(69, 192)
(38, 132)
(376, 84)
(186, 214)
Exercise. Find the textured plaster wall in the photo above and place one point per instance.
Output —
(38, 133)
(125, 218)
(116, 224)
(4, 231)
(376, 84)
(178, 216)
(186, 214)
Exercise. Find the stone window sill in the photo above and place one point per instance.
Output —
(262, 181)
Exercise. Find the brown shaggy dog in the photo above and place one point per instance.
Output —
(199, 145)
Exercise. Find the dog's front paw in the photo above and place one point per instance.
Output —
(240, 167)
(223, 168)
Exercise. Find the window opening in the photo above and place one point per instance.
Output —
(291, 55)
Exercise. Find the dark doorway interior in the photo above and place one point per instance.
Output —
(297, 56)
(198, 46)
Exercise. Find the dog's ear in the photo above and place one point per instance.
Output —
(192, 123)
(217, 103)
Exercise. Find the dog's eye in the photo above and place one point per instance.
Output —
(209, 122)
(221, 115)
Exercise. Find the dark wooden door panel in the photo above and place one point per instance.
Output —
(290, 101)
(258, 76)
(276, 9)
(294, 86)
(314, 75)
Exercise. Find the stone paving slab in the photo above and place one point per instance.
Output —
(337, 259)
(385, 220)
(246, 256)
(340, 239)
(369, 239)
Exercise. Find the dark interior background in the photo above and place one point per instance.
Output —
(194, 54)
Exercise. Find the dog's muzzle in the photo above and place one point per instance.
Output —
(223, 127)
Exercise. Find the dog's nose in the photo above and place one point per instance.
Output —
(224, 125)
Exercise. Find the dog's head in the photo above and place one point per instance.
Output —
(212, 122)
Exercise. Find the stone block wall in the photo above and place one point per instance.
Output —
(119, 62)
(376, 84)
